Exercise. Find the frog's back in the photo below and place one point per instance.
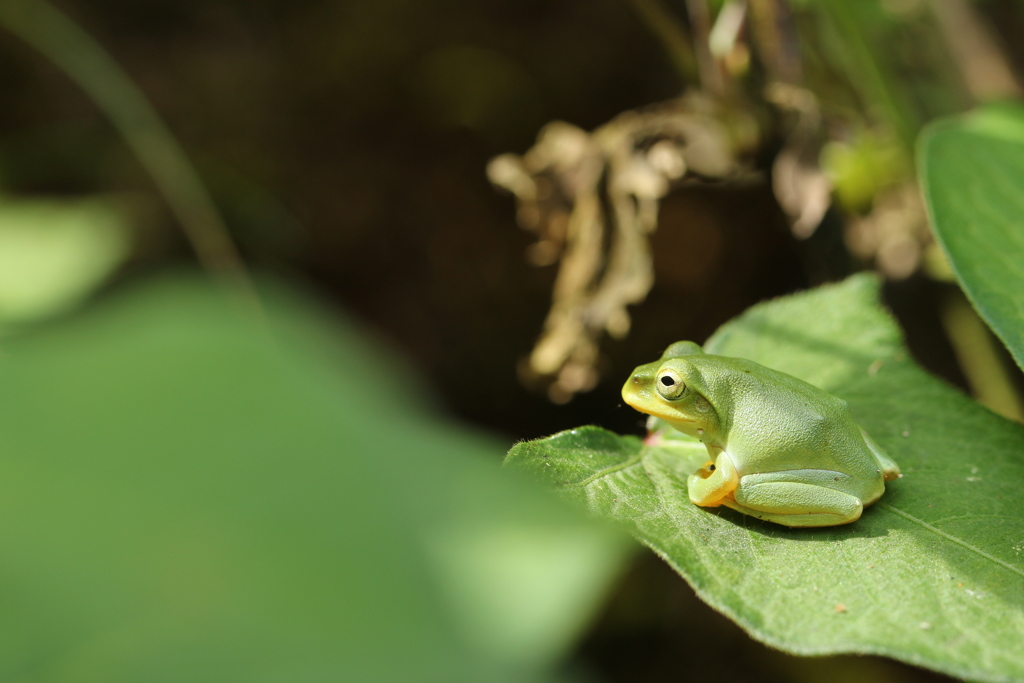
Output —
(776, 422)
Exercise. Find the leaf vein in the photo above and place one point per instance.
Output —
(610, 470)
(950, 537)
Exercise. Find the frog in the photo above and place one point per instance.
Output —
(780, 449)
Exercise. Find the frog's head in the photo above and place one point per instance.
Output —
(672, 388)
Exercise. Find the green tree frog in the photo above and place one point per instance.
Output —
(780, 449)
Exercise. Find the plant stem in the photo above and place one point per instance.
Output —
(978, 354)
(983, 64)
(672, 34)
(700, 27)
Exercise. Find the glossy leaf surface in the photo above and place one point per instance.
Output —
(972, 177)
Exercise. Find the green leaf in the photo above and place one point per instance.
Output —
(54, 252)
(189, 496)
(932, 574)
(972, 176)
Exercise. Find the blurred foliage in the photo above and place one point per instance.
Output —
(189, 497)
(592, 200)
(802, 78)
(54, 252)
(861, 167)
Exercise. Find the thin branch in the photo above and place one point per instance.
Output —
(775, 35)
(983, 63)
(672, 34)
(700, 25)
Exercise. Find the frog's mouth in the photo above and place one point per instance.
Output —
(663, 415)
(671, 418)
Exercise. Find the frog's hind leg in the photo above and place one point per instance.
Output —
(890, 470)
(795, 504)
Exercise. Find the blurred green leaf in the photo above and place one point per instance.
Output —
(53, 252)
(863, 166)
(932, 574)
(972, 176)
(188, 498)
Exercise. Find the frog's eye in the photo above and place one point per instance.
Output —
(670, 384)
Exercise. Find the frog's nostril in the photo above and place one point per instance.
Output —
(636, 379)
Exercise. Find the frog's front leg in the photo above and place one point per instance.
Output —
(793, 503)
(713, 483)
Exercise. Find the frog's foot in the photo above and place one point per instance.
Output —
(889, 469)
(713, 484)
(794, 504)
